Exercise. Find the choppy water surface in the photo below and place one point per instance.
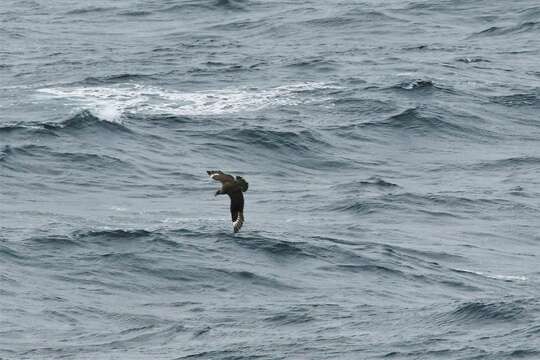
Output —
(393, 155)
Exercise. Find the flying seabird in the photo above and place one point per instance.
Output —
(234, 188)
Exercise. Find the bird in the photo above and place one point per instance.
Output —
(234, 187)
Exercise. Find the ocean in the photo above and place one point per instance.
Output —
(392, 150)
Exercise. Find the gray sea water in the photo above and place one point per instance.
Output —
(392, 150)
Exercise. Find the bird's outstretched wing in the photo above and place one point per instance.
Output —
(237, 225)
(220, 176)
(237, 210)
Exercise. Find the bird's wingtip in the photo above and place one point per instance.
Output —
(237, 225)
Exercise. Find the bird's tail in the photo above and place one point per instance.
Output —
(237, 225)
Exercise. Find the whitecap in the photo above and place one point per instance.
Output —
(111, 102)
(495, 276)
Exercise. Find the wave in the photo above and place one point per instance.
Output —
(518, 191)
(114, 101)
(508, 163)
(7, 252)
(54, 241)
(521, 353)
(417, 120)
(85, 120)
(507, 278)
(530, 14)
(211, 67)
(114, 234)
(243, 25)
(436, 205)
(352, 19)
(135, 13)
(292, 316)
(433, 121)
(526, 27)
(377, 182)
(164, 241)
(517, 100)
(113, 79)
(472, 60)
(13, 35)
(364, 207)
(89, 9)
(365, 106)
(373, 182)
(281, 249)
(161, 236)
(191, 6)
(231, 4)
(478, 311)
(364, 268)
(146, 330)
(443, 6)
(319, 64)
(417, 256)
(243, 276)
(302, 141)
(421, 87)
(9, 151)
(35, 159)
(327, 250)
(6, 129)
(395, 261)
(437, 199)
(186, 7)
(215, 354)
(415, 84)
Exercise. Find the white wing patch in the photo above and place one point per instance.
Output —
(237, 225)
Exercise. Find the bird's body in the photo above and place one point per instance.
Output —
(234, 188)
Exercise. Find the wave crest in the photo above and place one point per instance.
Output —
(114, 101)
(86, 120)
(487, 311)
(525, 27)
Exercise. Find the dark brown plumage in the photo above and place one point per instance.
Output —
(234, 188)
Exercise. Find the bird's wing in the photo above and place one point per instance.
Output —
(220, 176)
(237, 210)
(237, 225)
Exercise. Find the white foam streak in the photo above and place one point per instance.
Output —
(496, 276)
(111, 102)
